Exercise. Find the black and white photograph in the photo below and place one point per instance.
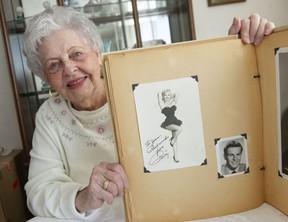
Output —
(232, 156)
(282, 104)
(170, 124)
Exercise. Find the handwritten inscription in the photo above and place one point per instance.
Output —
(155, 147)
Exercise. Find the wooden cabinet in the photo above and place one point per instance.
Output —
(12, 203)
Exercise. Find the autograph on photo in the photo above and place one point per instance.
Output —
(156, 148)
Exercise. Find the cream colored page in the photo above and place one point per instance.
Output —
(230, 102)
(276, 192)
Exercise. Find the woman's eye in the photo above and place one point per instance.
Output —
(76, 54)
(53, 67)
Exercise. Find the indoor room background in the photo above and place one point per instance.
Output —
(209, 22)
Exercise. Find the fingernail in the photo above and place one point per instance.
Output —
(267, 31)
(247, 40)
(256, 43)
(235, 21)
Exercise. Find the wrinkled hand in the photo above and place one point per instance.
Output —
(99, 191)
(251, 30)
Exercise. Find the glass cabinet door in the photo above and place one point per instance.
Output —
(163, 21)
(27, 95)
(126, 24)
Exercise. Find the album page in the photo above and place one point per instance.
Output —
(272, 56)
(188, 128)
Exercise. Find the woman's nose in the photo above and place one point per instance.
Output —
(69, 67)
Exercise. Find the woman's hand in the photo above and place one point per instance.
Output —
(253, 29)
(107, 181)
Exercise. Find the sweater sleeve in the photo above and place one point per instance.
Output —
(50, 191)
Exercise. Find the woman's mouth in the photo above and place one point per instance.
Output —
(75, 83)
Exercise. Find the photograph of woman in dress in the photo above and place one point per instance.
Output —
(167, 101)
(163, 114)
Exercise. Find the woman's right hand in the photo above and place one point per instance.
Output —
(107, 181)
(253, 29)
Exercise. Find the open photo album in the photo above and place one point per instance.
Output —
(201, 127)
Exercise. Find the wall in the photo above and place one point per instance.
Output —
(9, 128)
(215, 21)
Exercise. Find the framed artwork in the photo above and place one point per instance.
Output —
(222, 2)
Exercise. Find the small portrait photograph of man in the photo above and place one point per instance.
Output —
(232, 155)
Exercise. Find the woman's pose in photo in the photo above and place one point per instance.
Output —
(167, 101)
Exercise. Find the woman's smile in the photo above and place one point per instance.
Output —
(76, 83)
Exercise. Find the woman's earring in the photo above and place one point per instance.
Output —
(53, 94)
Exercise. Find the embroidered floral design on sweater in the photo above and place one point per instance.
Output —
(69, 131)
(94, 122)
(49, 119)
(73, 121)
(91, 144)
(57, 100)
(100, 129)
(67, 136)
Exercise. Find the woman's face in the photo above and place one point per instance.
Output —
(71, 67)
(167, 96)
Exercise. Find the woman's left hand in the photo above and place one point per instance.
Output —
(253, 29)
(107, 181)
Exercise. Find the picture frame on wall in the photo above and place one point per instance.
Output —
(222, 2)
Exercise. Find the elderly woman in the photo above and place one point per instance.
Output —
(73, 170)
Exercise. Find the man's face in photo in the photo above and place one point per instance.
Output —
(233, 157)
